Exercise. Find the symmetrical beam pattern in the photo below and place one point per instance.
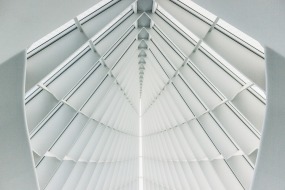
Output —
(201, 87)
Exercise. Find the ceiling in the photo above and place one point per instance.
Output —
(192, 83)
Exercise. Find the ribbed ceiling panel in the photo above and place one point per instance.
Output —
(201, 91)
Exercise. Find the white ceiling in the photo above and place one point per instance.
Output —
(201, 88)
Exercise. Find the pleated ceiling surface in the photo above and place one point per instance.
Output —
(196, 84)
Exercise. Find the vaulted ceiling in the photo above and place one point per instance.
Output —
(183, 81)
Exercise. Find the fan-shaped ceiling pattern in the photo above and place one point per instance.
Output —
(193, 83)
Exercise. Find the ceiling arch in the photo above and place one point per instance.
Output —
(197, 86)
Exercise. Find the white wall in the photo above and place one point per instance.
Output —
(17, 167)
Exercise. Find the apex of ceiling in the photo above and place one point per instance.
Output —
(145, 5)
